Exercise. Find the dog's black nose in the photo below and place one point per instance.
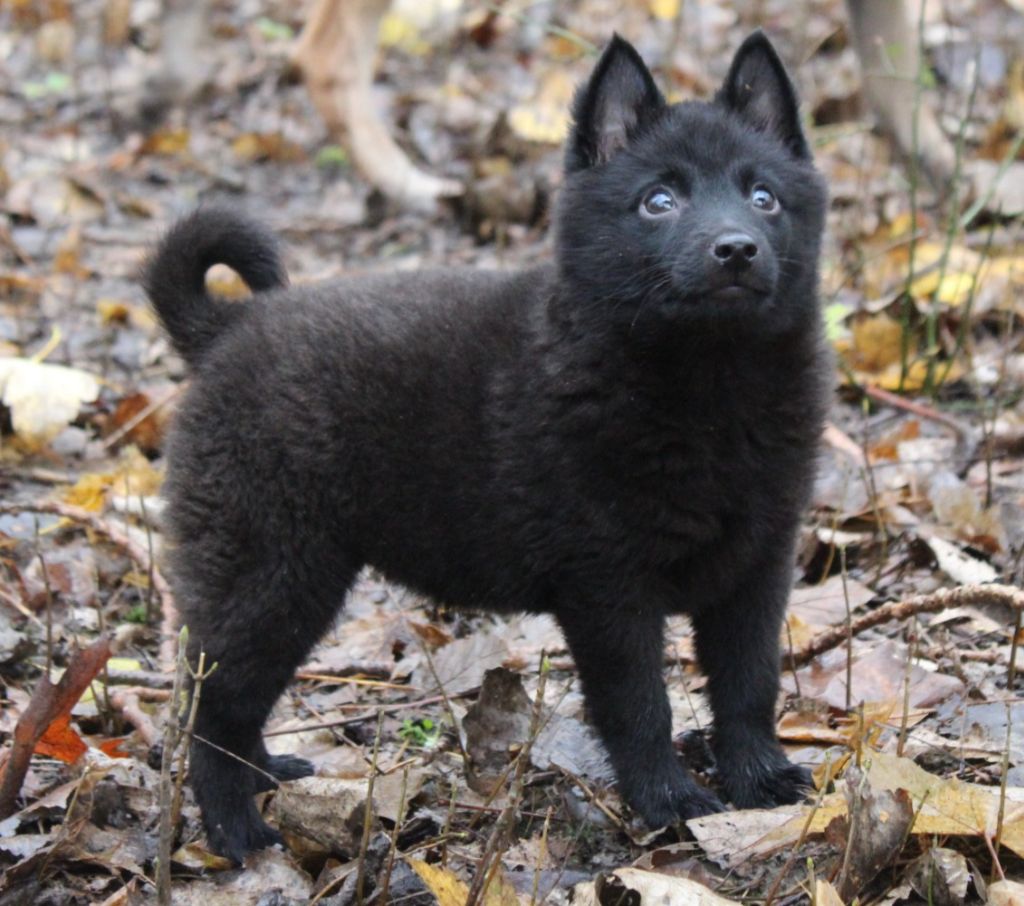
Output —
(734, 250)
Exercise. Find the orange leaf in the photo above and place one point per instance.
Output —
(61, 741)
(112, 747)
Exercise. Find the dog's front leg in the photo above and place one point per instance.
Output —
(738, 647)
(618, 652)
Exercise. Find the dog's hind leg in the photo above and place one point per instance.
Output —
(254, 639)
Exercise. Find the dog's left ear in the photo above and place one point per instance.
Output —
(759, 89)
(618, 102)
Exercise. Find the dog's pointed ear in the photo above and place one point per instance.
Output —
(759, 89)
(618, 102)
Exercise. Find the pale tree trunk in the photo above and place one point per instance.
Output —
(336, 53)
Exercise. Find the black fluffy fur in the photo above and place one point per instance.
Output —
(625, 434)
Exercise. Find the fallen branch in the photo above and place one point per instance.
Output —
(136, 552)
(943, 599)
(128, 702)
(48, 702)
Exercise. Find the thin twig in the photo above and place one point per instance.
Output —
(489, 862)
(172, 739)
(364, 842)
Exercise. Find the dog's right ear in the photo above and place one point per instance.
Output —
(618, 102)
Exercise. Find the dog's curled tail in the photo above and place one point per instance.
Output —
(175, 276)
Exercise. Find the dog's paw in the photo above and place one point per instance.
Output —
(288, 767)
(766, 782)
(665, 803)
(239, 835)
(280, 768)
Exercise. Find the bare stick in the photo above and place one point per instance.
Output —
(128, 703)
(49, 700)
(936, 601)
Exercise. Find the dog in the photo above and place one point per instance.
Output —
(625, 433)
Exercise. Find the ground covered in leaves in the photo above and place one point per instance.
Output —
(465, 733)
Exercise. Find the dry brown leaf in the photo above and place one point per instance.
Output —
(878, 674)
(871, 834)
(1005, 893)
(809, 727)
(826, 604)
(166, 142)
(67, 256)
(825, 894)
(147, 424)
(495, 725)
(888, 447)
(645, 888)
(260, 146)
(460, 665)
(940, 876)
(877, 343)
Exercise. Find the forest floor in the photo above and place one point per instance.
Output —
(913, 720)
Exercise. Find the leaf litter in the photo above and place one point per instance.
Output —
(919, 490)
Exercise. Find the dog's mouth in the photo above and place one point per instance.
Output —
(740, 288)
(735, 292)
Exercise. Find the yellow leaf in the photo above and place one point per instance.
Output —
(902, 225)
(450, 891)
(877, 342)
(545, 119)
(89, 492)
(663, 9)
(398, 31)
(135, 476)
(134, 579)
(116, 311)
(948, 288)
(943, 806)
(443, 883)
(112, 311)
(916, 376)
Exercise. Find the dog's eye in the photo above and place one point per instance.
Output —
(658, 201)
(761, 197)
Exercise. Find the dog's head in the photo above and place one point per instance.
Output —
(700, 214)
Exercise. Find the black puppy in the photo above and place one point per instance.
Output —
(624, 434)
